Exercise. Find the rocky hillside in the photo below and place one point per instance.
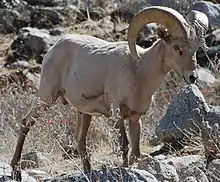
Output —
(185, 145)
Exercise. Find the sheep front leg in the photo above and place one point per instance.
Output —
(134, 131)
(123, 141)
(83, 122)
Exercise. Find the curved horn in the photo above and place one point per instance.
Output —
(198, 19)
(200, 23)
(168, 17)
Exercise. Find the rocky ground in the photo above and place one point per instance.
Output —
(185, 145)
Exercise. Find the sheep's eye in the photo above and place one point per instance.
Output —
(176, 47)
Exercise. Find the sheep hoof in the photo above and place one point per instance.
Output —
(16, 175)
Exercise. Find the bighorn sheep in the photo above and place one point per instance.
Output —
(92, 74)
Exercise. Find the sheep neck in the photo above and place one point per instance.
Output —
(152, 72)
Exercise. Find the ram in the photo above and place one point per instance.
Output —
(95, 76)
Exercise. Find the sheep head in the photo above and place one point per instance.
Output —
(177, 33)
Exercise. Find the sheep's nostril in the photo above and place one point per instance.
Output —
(192, 78)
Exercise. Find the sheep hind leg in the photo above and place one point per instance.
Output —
(26, 123)
(83, 122)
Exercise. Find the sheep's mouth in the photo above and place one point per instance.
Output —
(192, 79)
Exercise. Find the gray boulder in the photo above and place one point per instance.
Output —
(213, 171)
(44, 2)
(7, 19)
(190, 179)
(12, 20)
(38, 174)
(205, 76)
(14, 15)
(161, 170)
(135, 6)
(5, 171)
(45, 17)
(194, 173)
(13, 4)
(106, 174)
(183, 161)
(213, 116)
(187, 110)
(213, 38)
(187, 106)
(9, 4)
(127, 11)
(5, 174)
(32, 43)
(188, 167)
(34, 160)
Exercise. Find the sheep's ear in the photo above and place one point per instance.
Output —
(163, 34)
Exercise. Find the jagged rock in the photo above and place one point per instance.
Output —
(18, 5)
(213, 171)
(182, 161)
(33, 160)
(7, 19)
(187, 111)
(43, 2)
(68, 13)
(193, 172)
(161, 170)
(115, 174)
(5, 174)
(135, 6)
(213, 116)
(5, 171)
(45, 17)
(20, 65)
(205, 76)
(32, 43)
(126, 11)
(190, 179)
(11, 20)
(38, 174)
(213, 38)
(189, 168)
(57, 31)
(9, 4)
(187, 106)
(14, 15)
(211, 10)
